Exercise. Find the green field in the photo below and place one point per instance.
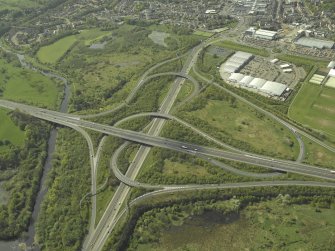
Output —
(9, 131)
(318, 155)
(314, 107)
(300, 60)
(18, 4)
(244, 124)
(51, 53)
(92, 36)
(165, 167)
(27, 86)
(203, 33)
(240, 47)
(270, 225)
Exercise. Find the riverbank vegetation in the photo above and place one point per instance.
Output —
(63, 221)
(20, 169)
(24, 85)
(103, 77)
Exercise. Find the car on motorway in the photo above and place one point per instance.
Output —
(332, 171)
(184, 147)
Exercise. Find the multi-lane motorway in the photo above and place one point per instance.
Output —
(145, 139)
(97, 239)
(97, 236)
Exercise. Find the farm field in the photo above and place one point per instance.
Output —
(270, 225)
(23, 85)
(314, 107)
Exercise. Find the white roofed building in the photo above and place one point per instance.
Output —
(273, 88)
(315, 43)
(266, 34)
(236, 62)
(331, 73)
(331, 64)
(246, 80)
(236, 77)
(257, 83)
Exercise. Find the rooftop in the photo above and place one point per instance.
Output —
(315, 43)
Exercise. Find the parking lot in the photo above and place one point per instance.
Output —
(313, 52)
(261, 67)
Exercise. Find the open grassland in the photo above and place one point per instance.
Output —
(53, 52)
(9, 131)
(318, 155)
(314, 107)
(103, 78)
(240, 47)
(270, 225)
(18, 4)
(92, 36)
(169, 167)
(27, 86)
(236, 124)
(301, 60)
(185, 91)
(203, 33)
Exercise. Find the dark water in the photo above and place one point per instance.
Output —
(197, 230)
(43, 190)
(29, 240)
(211, 218)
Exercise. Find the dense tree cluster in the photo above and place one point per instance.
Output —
(27, 162)
(62, 222)
(151, 212)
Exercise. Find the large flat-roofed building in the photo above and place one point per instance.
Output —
(236, 62)
(273, 88)
(236, 77)
(331, 65)
(268, 87)
(246, 80)
(257, 83)
(315, 43)
(331, 82)
(266, 34)
(331, 73)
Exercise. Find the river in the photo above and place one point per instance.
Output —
(29, 236)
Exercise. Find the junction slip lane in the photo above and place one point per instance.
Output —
(138, 137)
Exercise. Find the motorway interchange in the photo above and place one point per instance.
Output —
(98, 235)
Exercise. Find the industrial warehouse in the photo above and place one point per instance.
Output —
(237, 61)
(230, 72)
(315, 43)
(261, 34)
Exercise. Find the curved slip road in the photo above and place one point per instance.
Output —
(292, 128)
(132, 94)
(277, 164)
(211, 187)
